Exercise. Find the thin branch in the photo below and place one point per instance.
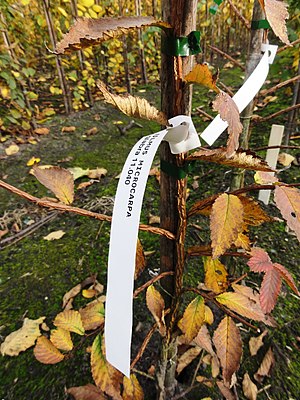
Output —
(202, 112)
(275, 147)
(265, 92)
(151, 281)
(288, 46)
(239, 15)
(65, 208)
(285, 110)
(137, 371)
(144, 345)
(226, 88)
(227, 56)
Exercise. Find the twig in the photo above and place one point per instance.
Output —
(226, 88)
(63, 207)
(197, 369)
(124, 129)
(27, 231)
(151, 281)
(240, 278)
(275, 147)
(188, 390)
(265, 92)
(226, 56)
(239, 15)
(285, 110)
(144, 345)
(288, 46)
(137, 371)
(200, 111)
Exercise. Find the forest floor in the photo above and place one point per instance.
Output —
(36, 273)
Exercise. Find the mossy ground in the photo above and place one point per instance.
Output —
(35, 274)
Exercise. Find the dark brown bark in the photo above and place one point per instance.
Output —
(138, 10)
(176, 99)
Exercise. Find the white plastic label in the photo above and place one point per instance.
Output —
(244, 95)
(124, 233)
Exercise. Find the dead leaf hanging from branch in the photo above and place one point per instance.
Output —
(88, 31)
(133, 106)
(230, 113)
(276, 13)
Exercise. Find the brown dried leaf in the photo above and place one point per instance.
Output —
(97, 173)
(226, 392)
(88, 31)
(249, 388)
(132, 388)
(106, 377)
(277, 13)
(12, 149)
(23, 338)
(61, 339)
(87, 392)
(240, 159)
(92, 315)
(226, 222)
(133, 106)
(228, 343)
(186, 358)
(265, 366)
(46, 353)
(193, 318)
(140, 260)
(202, 75)
(254, 215)
(287, 200)
(59, 180)
(270, 289)
(285, 159)
(68, 129)
(42, 131)
(156, 306)
(203, 340)
(265, 178)
(54, 235)
(255, 343)
(229, 112)
(69, 320)
(215, 275)
(69, 296)
(242, 242)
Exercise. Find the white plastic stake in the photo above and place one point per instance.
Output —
(275, 139)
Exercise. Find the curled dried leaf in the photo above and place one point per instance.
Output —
(202, 75)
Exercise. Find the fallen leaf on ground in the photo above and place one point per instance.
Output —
(91, 131)
(42, 131)
(78, 172)
(55, 235)
(12, 149)
(68, 128)
(32, 161)
(23, 338)
(97, 173)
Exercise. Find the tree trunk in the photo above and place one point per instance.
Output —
(60, 69)
(254, 56)
(292, 116)
(125, 54)
(176, 99)
(141, 45)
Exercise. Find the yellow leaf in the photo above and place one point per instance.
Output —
(97, 173)
(209, 316)
(54, 235)
(201, 74)
(68, 128)
(32, 161)
(46, 353)
(97, 8)
(226, 222)
(254, 215)
(241, 304)
(285, 159)
(242, 242)
(69, 320)
(264, 178)
(92, 315)
(106, 377)
(86, 3)
(12, 149)
(25, 2)
(249, 388)
(140, 260)
(215, 275)
(156, 306)
(89, 293)
(23, 338)
(59, 180)
(62, 11)
(133, 106)
(61, 339)
(92, 13)
(228, 343)
(132, 389)
(193, 318)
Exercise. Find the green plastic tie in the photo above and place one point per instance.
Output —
(260, 24)
(173, 170)
(182, 46)
(213, 9)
